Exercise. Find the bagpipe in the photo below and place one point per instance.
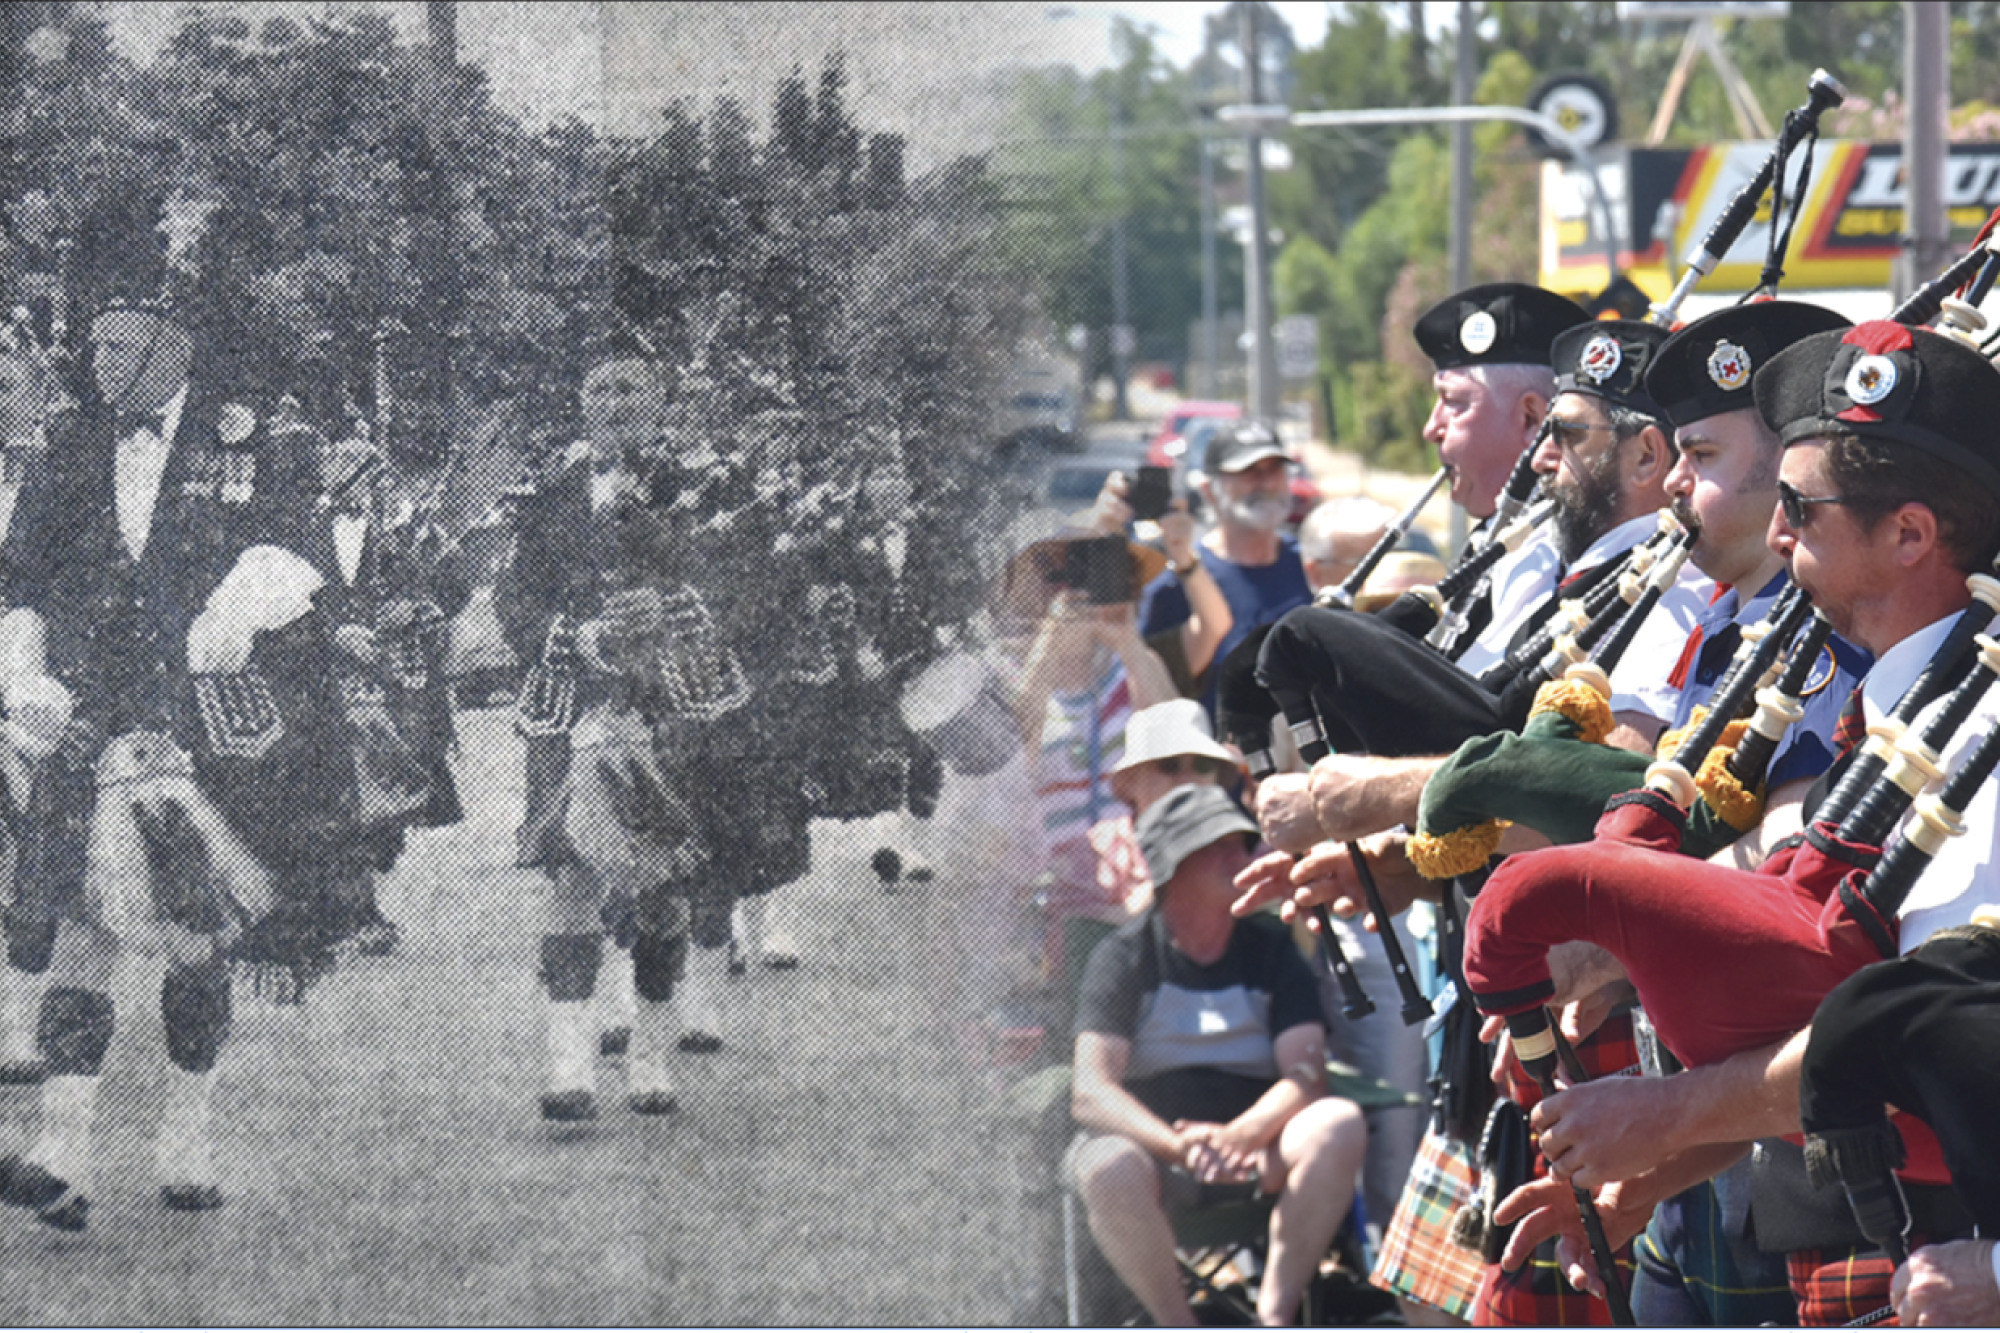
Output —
(1551, 778)
(1726, 960)
(1367, 688)
(300, 765)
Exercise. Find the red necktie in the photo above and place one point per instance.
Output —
(1678, 677)
(1851, 728)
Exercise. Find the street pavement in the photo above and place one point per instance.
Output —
(836, 1163)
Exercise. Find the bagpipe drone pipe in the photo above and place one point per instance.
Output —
(1246, 711)
(1727, 960)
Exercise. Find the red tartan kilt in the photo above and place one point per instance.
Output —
(1537, 1294)
(1837, 1287)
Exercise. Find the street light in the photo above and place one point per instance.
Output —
(1270, 119)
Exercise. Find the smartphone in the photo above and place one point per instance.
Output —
(1152, 494)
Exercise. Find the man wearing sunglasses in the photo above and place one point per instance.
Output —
(1889, 497)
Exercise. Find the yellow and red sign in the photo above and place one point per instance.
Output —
(1662, 202)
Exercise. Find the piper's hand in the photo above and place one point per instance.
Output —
(1266, 882)
(1608, 1130)
(359, 643)
(1111, 513)
(1285, 813)
(1949, 1285)
(1545, 1208)
(1326, 876)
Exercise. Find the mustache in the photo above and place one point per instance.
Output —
(1684, 514)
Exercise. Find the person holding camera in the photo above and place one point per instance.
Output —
(1190, 646)
(1247, 556)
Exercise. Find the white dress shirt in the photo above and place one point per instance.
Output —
(141, 464)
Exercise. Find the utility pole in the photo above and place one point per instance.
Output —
(1461, 191)
(1211, 352)
(1263, 357)
(1122, 336)
(1927, 93)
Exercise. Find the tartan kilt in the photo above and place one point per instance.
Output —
(1838, 1286)
(1419, 1259)
(1537, 1294)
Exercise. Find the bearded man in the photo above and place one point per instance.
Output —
(1247, 484)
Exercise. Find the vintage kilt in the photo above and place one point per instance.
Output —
(1419, 1259)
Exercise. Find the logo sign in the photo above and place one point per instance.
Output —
(1581, 106)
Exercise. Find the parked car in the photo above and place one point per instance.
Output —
(1042, 407)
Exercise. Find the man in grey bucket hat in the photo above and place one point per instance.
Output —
(1201, 1066)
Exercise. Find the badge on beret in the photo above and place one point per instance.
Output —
(1871, 379)
(1601, 358)
(1729, 366)
(1478, 333)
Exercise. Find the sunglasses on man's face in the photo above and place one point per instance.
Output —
(1797, 508)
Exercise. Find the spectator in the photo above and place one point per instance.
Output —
(1201, 1061)
(1190, 647)
(1247, 553)
(1335, 536)
(1085, 672)
(1167, 745)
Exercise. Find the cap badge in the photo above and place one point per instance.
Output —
(1478, 332)
(1871, 379)
(1601, 358)
(1729, 366)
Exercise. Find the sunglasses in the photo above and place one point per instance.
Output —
(1570, 435)
(1795, 506)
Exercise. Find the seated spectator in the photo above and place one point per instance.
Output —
(1166, 746)
(1201, 1061)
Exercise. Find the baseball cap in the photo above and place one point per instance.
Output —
(1237, 447)
(1183, 822)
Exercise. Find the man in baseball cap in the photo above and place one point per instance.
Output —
(1247, 484)
(1201, 1064)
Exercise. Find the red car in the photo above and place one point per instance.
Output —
(1183, 440)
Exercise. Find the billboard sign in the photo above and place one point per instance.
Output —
(1663, 201)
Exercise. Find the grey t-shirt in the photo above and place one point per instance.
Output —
(1202, 1035)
